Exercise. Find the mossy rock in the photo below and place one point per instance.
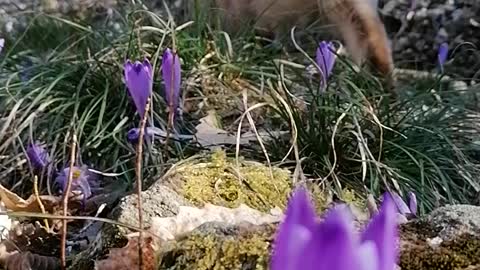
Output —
(460, 252)
(214, 247)
(216, 179)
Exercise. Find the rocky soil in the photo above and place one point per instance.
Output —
(416, 27)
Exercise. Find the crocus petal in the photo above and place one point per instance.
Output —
(382, 230)
(37, 155)
(442, 54)
(333, 241)
(325, 59)
(400, 204)
(2, 44)
(368, 256)
(134, 133)
(294, 232)
(412, 202)
(139, 79)
(172, 77)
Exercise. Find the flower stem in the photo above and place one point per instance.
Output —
(65, 200)
(138, 175)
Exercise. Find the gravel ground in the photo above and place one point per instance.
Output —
(417, 31)
(416, 27)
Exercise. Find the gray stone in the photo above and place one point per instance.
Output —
(157, 201)
(453, 220)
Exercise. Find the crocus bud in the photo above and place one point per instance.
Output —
(139, 80)
(37, 155)
(171, 74)
(325, 59)
(442, 55)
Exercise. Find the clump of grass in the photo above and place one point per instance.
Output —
(354, 135)
(59, 74)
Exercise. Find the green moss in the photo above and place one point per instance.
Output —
(217, 180)
(236, 248)
(458, 253)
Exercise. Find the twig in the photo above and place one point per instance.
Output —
(65, 200)
(37, 197)
(138, 175)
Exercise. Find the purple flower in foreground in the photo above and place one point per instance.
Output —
(442, 55)
(37, 155)
(325, 59)
(82, 180)
(302, 243)
(2, 44)
(172, 77)
(139, 80)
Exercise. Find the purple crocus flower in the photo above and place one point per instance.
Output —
(442, 55)
(325, 59)
(139, 80)
(302, 243)
(2, 44)
(82, 181)
(402, 207)
(172, 77)
(37, 155)
(412, 202)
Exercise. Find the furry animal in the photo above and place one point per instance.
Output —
(357, 22)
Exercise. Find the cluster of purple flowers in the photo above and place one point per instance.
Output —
(139, 80)
(82, 179)
(304, 243)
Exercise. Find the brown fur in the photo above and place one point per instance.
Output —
(356, 20)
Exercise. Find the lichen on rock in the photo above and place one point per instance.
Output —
(214, 246)
(216, 179)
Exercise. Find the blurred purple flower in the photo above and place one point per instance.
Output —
(82, 181)
(325, 59)
(172, 77)
(2, 44)
(302, 243)
(139, 80)
(37, 155)
(442, 55)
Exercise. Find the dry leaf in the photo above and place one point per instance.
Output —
(189, 218)
(14, 202)
(126, 258)
(210, 134)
